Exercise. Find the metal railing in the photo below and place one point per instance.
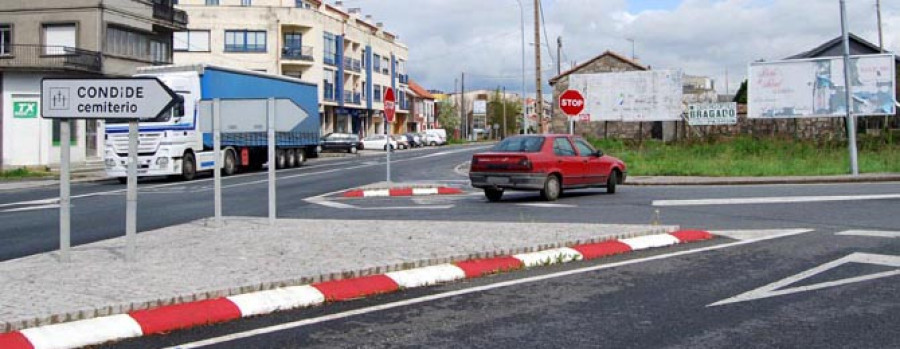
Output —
(50, 57)
(352, 97)
(329, 92)
(302, 53)
(352, 65)
(164, 11)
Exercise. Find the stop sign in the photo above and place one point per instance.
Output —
(571, 102)
(389, 106)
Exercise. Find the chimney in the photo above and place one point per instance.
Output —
(380, 25)
(368, 18)
(354, 10)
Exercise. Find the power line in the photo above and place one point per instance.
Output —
(544, 28)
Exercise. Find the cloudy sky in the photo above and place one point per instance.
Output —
(702, 37)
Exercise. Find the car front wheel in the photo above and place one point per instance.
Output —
(611, 182)
(551, 189)
(493, 195)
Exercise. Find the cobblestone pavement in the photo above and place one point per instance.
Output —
(198, 261)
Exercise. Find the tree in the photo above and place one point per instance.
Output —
(495, 112)
(449, 116)
(741, 95)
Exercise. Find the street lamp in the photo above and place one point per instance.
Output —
(522, 20)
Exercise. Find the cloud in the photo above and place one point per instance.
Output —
(702, 37)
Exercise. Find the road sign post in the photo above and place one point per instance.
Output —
(571, 102)
(102, 98)
(389, 110)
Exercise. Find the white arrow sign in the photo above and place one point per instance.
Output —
(109, 98)
(776, 288)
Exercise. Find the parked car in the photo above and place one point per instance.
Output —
(414, 140)
(434, 139)
(402, 143)
(438, 131)
(545, 163)
(378, 141)
(339, 141)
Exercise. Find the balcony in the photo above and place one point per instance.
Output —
(352, 97)
(301, 53)
(39, 57)
(163, 10)
(353, 65)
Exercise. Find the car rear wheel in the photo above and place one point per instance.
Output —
(493, 195)
(612, 181)
(353, 149)
(551, 189)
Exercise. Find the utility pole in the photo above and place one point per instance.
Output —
(880, 38)
(538, 103)
(503, 100)
(462, 108)
(851, 120)
(558, 55)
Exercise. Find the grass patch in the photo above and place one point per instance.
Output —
(21, 173)
(752, 157)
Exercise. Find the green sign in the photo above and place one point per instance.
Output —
(25, 110)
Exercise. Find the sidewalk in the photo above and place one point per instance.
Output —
(197, 261)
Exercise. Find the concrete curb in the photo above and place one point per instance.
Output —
(670, 181)
(124, 308)
(401, 191)
(199, 312)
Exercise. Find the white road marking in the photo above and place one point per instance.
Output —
(424, 207)
(754, 234)
(413, 301)
(31, 208)
(772, 200)
(547, 205)
(776, 288)
(872, 233)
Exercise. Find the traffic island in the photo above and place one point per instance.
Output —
(197, 273)
(401, 191)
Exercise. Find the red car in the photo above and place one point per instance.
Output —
(548, 163)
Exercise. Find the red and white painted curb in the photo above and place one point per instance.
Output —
(181, 316)
(370, 193)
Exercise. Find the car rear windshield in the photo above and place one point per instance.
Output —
(522, 144)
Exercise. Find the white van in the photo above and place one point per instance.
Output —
(437, 136)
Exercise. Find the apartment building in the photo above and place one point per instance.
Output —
(73, 38)
(350, 57)
(422, 115)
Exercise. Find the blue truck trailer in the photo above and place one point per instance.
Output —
(180, 143)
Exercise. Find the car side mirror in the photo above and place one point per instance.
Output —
(599, 153)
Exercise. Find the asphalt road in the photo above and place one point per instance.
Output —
(658, 298)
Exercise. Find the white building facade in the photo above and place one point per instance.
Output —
(350, 58)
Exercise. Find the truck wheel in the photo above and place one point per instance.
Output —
(301, 157)
(188, 167)
(291, 158)
(280, 159)
(493, 195)
(551, 189)
(433, 144)
(230, 166)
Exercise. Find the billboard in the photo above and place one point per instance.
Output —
(711, 114)
(631, 96)
(816, 88)
(480, 107)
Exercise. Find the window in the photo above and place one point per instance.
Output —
(5, 39)
(246, 3)
(125, 42)
(330, 49)
(191, 41)
(362, 59)
(376, 63)
(377, 93)
(562, 147)
(59, 36)
(385, 65)
(527, 144)
(328, 85)
(212, 2)
(245, 41)
(302, 4)
(584, 149)
(364, 90)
